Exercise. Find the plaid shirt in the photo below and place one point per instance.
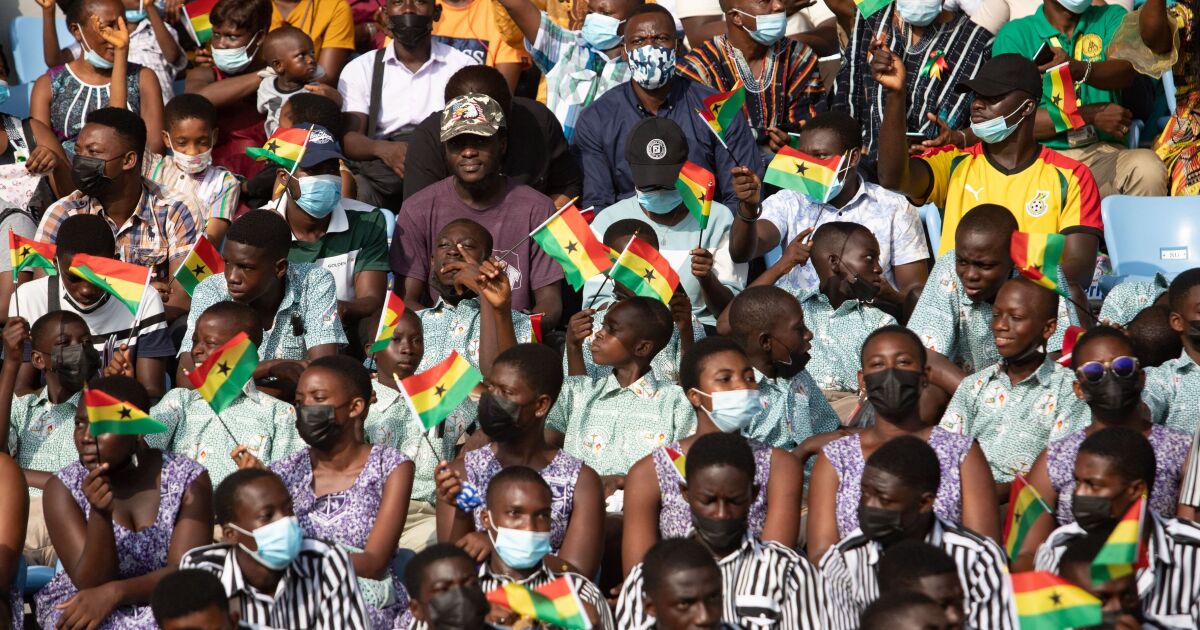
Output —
(162, 231)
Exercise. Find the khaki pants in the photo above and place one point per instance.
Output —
(38, 549)
(1121, 171)
(843, 403)
(420, 528)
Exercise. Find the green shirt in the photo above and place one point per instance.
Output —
(665, 364)
(1093, 32)
(1127, 299)
(611, 427)
(41, 434)
(449, 328)
(1172, 393)
(263, 424)
(793, 410)
(355, 241)
(838, 335)
(1014, 423)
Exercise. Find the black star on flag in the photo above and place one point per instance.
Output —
(223, 368)
(273, 146)
(649, 275)
(801, 168)
(1056, 98)
(1055, 598)
(24, 251)
(198, 269)
(571, 247)
(126, 412)
(440, 391)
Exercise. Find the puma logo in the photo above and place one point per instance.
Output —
(974, 193)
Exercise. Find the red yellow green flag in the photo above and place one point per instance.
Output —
(720, 110)
(567, 238)
(935, 64)
(678, 461)
(393, 308)
(1123, 552)
(644, 271)
(107, 414)
(803, 173)
(869, 7)
(554, 603)
(1025, 505)
(203, 261)
(697, 186)
(434, 393)
(196, 20)
(535, 323)
(223, 375)
(124, 281)
(1036, 255)
(1048, 602)
(284, 147)
(1064, 102)
(26, 253)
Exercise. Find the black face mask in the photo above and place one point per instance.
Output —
(318, 426)
(882, 526)
(74, 364)
(410, 29)
(1193, 331)
(720, 534)
(1112, 398)
(795, 363)
(1034, 350)
(893, 392)
(460, 608)
(862, 290)
(498, 417)
(1092, 513)
(88, 175)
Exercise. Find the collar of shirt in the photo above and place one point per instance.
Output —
(875, 550)
(1046, 30)
(385, 396)
(675, 96)
(750, 546)
(644, 387)
(82, 310)
(466, 304)
(485, 571)
(43, 398)
(1182, 365)
(338, 221)
(235, 582)
(1042, 375)
(815, 295)
(437, 56)
(777, 383)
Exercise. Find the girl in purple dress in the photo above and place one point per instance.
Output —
(719, 382)
(124, 515)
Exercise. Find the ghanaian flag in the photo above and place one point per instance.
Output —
(203, 261)
(434, 393)
(554, 603)
(1123, 551)
(803, 173)
(567, 238)
(1025, 505)
(107, 414)
(1064, 103)
(697, 186)
(720, 110)
(393, 308)
(678, 460)
(1048, 602)
(285, 147)
(26, 253)
(869, 7)
(644, 271)
(124, 281)
(225, 372)
(1036, 255)
(196, 20)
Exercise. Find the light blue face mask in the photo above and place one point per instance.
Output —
(919, 12)
(233, 60)
(278, 542)
(734, 410)
(3, 93)
(91, 56)
(771, 27)
(600, 31)
(997, 129)
(1076, 6)
(518, 548)
(651, 66)
(319, 194)
(659, 201)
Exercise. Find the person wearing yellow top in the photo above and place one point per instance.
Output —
(330, 25)
(471, 26)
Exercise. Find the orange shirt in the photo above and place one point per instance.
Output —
(473, 29)
(328, 22)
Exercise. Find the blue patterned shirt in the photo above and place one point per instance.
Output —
(838, 335)
(1172, 393)
(447, 328)
(1127, 299)
(793, 411)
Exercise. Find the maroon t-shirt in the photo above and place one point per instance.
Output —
(425, 214)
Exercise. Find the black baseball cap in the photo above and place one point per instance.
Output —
(656, 151)
(1003, 74)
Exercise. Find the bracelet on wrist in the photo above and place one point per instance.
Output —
(748, 219)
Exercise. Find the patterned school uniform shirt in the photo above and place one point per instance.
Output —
(448, 327)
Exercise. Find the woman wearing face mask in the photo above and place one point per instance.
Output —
(64, 96)
(124, 514)
(719, 382)
(894, 373)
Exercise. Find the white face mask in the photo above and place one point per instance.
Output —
(192, 164)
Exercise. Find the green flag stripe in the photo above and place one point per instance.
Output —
(95, 279)
(791, 181)
(35, 260)
(450, 400)
(550, 245)
(232, 387)
(696, 207)
(126, 427)
(731, 109)
(1074, 617)
(634, 282)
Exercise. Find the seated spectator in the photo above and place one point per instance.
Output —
(899, 486)
(471, 26)
(904, 610)
(537, 154)
(475, 134)
(658, 149)
(788, 218)
(154, 227)
(1171, 387)
(1116, 467)
(64, 98)
(1120, 600)
(191, 599)
(894, 372)
(719, 382)
(109, 327)
(288, 51)
(1025, 403)
(190, 131)
(522, 388)
(445, 593)
(1078, 34)
(682, 586)
(918, 566)
(15, 508)
(1154, 341)
(328, 23)
(152, 505)
(784, 587)
(30, 154)
(1130, 297)
(303, 110)
(413, 65)
(605, 127)
(274, 574)
(612, 422)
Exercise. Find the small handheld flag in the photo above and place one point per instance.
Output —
(203, 261)
(124, 281)
(107, 414)
(393, 308)
(567, 238)
(644, 271)
(554, 603)
(196, 20)
(1124, 551)
(803, 173)
(1048, 602)
(1068, 347)
(678, 461)
(434, 393)
(221, 377)
(285, 147)
(720, 110)
(935, 65)
(535, 322)
(1036, 255)
(1063, 107)
(867, 8)
(697, 186)
(1024, 508)
(26, 253)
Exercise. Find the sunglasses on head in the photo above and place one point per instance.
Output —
(1121, 367)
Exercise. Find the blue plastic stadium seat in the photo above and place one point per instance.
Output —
(1149, 235)
(18, 100)
(26, 35)
(36, 577)
(932, 217)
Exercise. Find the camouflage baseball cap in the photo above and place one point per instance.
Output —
(477, 114)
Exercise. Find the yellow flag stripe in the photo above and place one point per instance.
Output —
(639, 266)
(430, 398)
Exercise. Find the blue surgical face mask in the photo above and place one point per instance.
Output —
(518, 548)
(659, 201)
(600, 31)
(997, 129)
(652, 66)
(91, 56)
(233, 60)
(919, 12)
(733, 410)
(278, 542)
(319, 194)
(771, 27)
(1076, 6)
(136, 15)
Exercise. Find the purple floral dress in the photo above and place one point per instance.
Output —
(674, 515)
(845, 455)
(347, 517)
(138, 553)
(1170, 455)
(562, 475)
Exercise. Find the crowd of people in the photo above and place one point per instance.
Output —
(828, 418)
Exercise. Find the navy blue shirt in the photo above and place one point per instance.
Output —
(604, 126)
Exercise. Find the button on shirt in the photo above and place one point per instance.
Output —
(355, 241)
(1127, 299)
(41, 434)
(889, 216)
(838, 335)
(423, 90)
(1014, 423)
(449, 327)
(576, 73)
(793, 410)
(1172, 393)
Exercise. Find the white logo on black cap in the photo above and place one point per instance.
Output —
(657, 149)
(320, 137)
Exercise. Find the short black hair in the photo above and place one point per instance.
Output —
(84, 234)
(516, 474)
(922, 353)
(74, 10)
(51, 322)
(479, 79)
(720, 449)
(252, 16)
(1096, 333)
(423, 560)
(241, 316)
(484, 234)
(909, 459)
(693, 360)
(351, 371)
(642, 9)
(843, 126)
(279, 35)
(315, 109)
(630, 227)
(264, 229)
(128, 126)
(1128, 450)
(1178, 291)
(670, 555)
(225, 496)
(758, 308)
(653, 320)
(122, 388)
(189, 106)
(187, 591)
(1154, 341)
(906, 562)
(990, 219)
(883, 613)
(1041, 296)
(831, 237)
(540, 366)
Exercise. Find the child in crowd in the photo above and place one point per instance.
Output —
(289, 52)
(191, 599)
(444, 587)
(190, 132)
(1154, 342)
(1128, 298)
(682, 586)
(1173, 389)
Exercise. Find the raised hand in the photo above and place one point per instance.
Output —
(798, 251)
(493, 283)
(16, 332)
(702, 262)
(945, 136)
(746, 185)
(579, 327)
(887, 68)
(118, 37)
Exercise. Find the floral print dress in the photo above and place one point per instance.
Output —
(674, 515)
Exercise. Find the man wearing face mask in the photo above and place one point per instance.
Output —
(606, 127)
(1171, 388)
(444, 585)
(1120, 605)
(768, 583)
(899, 483)
(1114, 469)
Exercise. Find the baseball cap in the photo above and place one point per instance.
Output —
(656, 150)
(477, 114)
(321, 146)
(1003, 74)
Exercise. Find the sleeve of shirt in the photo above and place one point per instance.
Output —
(933, 318)
(840, 608)
(589, 138)
(1008, 40)
(989, 601)
(1081, 211)
(207, 293)
(693, 67)
(340, 31)
(821, 416)
(547, 47)
(319, 304)
(505, 52)
(559, 415)
(342, 606)
(938, 162)
(183, 224)
(630, 613)
(1157, 393)
(285, 440)
(778, 209)
(805, 610)
(1189, 491)
(682, 414)
(424, 164)
(522, 328)
(959, 412)
(742, 151)
(47, 230)
(354, 84)
(725, 269)
(169, 411)
(908, 236)
(18, 419)
(374, 253)
(410, 252)
(226, 201)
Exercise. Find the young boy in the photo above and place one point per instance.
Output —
(444, 592)
(1173, 389)
(190, 132)
(260, 425)
(681, 586)
(289, 52)
(191, 599)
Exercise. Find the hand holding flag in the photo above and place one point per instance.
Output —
(203, 261)
(555, 603)
(1036, 255)
(434, 393)
(26, 252)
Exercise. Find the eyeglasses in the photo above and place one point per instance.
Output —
(1121, 367)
